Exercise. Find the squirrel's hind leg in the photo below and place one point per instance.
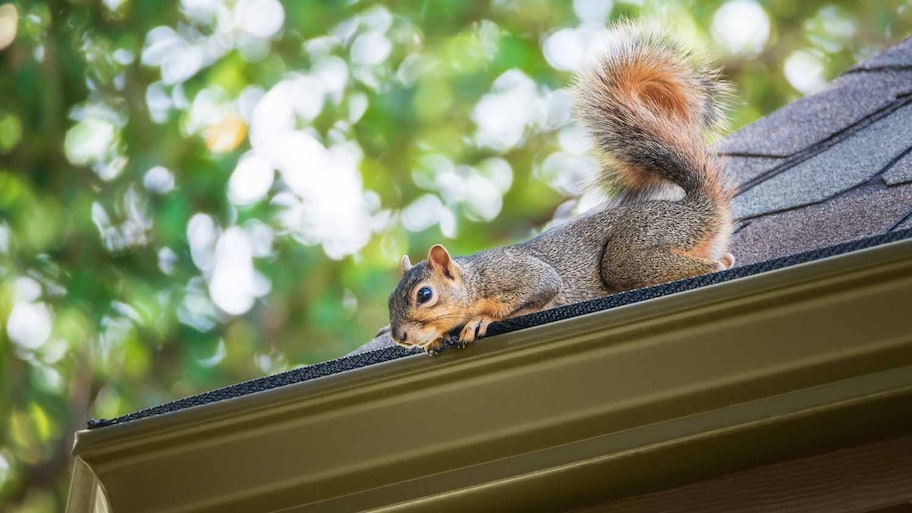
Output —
(651, 266)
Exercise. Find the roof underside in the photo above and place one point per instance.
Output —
(826, 170)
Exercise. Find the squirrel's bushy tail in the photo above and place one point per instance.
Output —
(648, 105)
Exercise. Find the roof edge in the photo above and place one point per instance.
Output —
(86, 493)
(588, 408)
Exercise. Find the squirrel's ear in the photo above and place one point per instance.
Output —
(405, 264)
(439, 260)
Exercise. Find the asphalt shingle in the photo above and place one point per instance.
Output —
(904, 223)
(745, 169)
(848, 100)
(901, 171)
(851, 162)
(898, 56)
(871, 209)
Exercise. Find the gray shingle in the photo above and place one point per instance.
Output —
(847, 164)
(898, 56)
(905, 222)
(867, 211)
(901, 171)
(381, 340)
(744, 169)
(804, 122)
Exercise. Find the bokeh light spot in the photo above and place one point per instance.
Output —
(29, 324)
(742, 27)
(260, 18)
(158, 180)
(370, 49)
(593, 11)
(225, 134)
(88, 141)
(9, 21)
(804, 70)
(10, 132)
(250, 180)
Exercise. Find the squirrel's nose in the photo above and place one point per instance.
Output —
(400, 334)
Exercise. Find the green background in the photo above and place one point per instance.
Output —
(111, 295)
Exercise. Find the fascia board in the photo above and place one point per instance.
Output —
(605, 405)
(86, 494)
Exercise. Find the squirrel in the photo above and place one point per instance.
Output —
(648, 105)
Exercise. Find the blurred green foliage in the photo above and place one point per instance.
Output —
(143, 259)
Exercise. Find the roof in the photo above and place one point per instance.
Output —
(382, 350)
(809, 173)
(825, 203)
(626, 400)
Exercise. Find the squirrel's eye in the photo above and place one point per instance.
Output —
(424, 295)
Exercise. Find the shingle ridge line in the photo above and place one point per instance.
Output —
(899, 101)
(873, 178)
(900, 222)
(879, 69)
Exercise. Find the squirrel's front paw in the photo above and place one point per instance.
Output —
(473, 330)
(433, 347)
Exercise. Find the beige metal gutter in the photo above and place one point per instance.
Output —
(634, 399)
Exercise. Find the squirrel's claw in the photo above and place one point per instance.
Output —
(434, 347)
